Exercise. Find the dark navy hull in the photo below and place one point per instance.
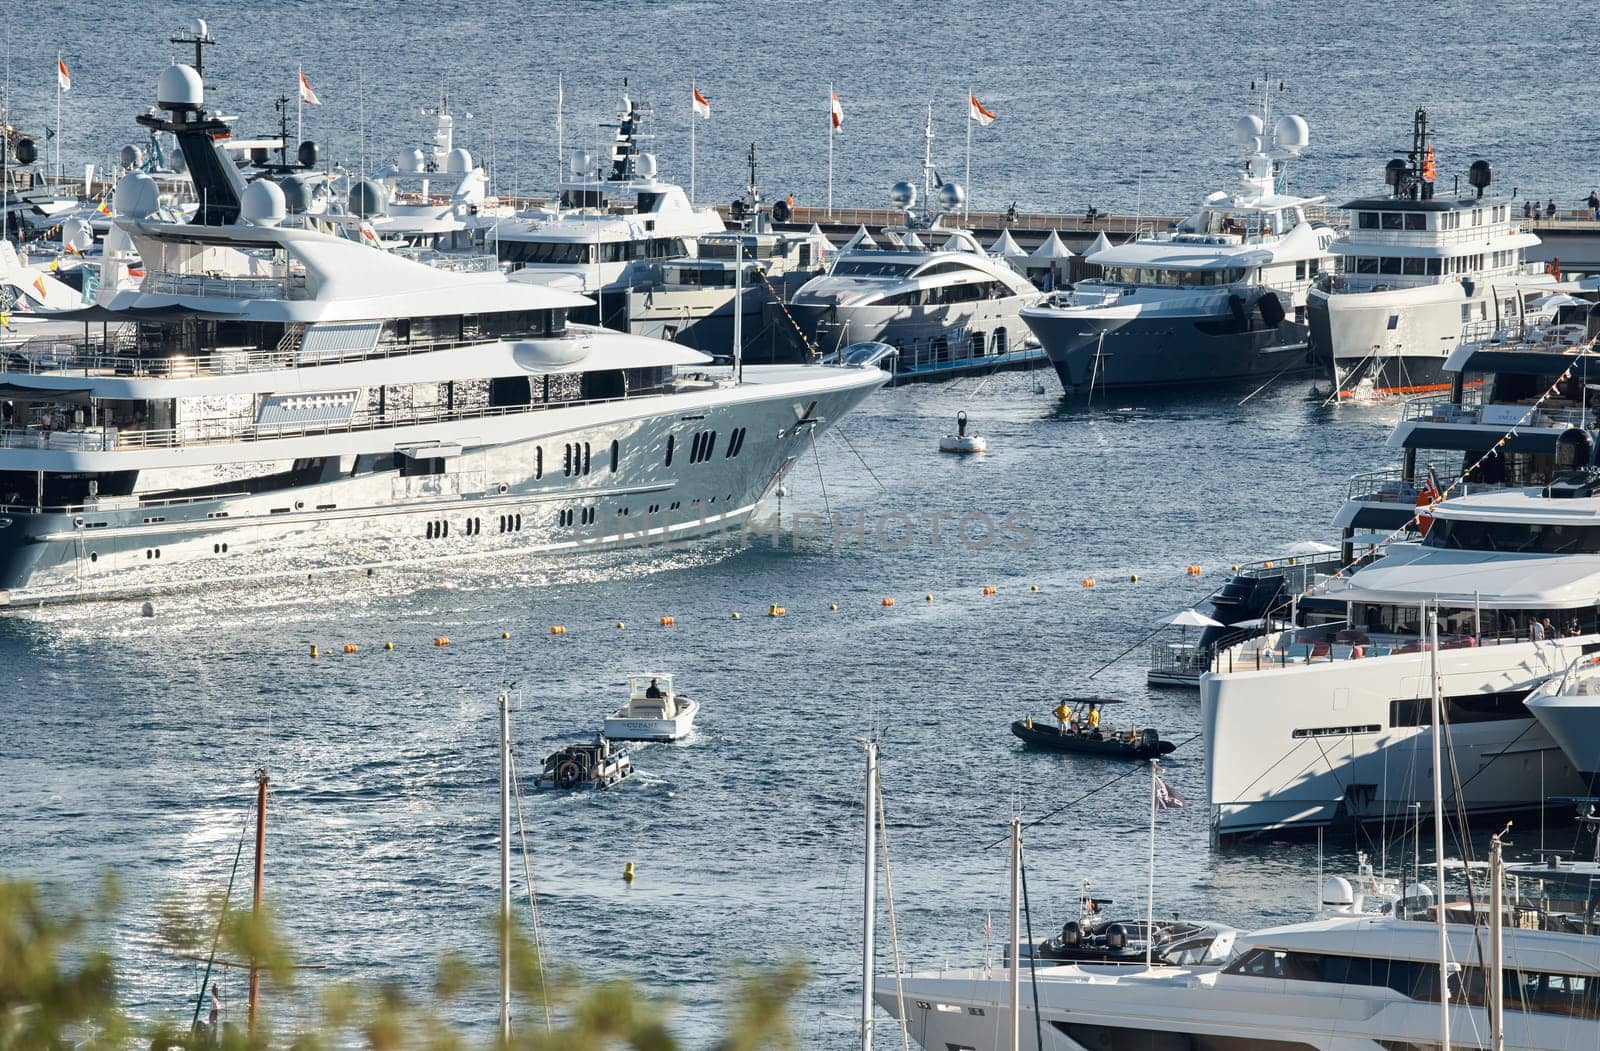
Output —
(1103, 353)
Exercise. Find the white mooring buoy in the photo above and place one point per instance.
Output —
(961, 442)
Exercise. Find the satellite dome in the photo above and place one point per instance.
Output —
(262, 203)
(647, 165)
(297, 194)
(78, 233)
(1337, 892)
(130, 157)
(902, 194)
(410, 161)
(136, 196)
(367, 199)
(458, 161)
(306, 154)
(198, 27)
(950, 196)
(1291, 133)
(1247, 128)
(179, 88)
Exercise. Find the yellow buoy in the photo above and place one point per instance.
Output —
(1033, 587)
(888, 601)
(558, 629)
(1133, 578)
(388, 645)
(1236, 567)
(928, 597)
(441, 641)
(627, 873)
(313, 649)
(351, 647)
(833, 605)
(620, 625)
(774, 610)
(1088, 582)
(505, 634)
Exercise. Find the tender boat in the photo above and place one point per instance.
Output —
(592, 765)
(1080, 732)
(1095, 937)
(654, 712)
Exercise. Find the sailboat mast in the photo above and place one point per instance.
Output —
(1014, 977)
(869, 890)
(1438, 830)
(255, 901)
(505, 865)
(1497, 988)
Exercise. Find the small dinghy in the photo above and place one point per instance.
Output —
(654, 712)
(594, 765)
(1079, 730)
(961, 442)
(1095, 937)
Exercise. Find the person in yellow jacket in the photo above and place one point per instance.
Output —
(1063, 715)
(1094, 718)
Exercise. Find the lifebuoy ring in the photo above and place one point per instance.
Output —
(568, 774)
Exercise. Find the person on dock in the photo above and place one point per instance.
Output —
(1011, 213)
(1550, 209)
(1090, 214)
(1527, 209)
(1594, 203)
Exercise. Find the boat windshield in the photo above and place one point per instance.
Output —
(547, 252)
(871, 268)
(1525, 537)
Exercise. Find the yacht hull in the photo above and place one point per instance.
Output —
(934, 343)
(1110, 351)
(1312, 745)
(1574, 723)
(493, 500)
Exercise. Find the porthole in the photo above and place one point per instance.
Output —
(94, 556)
(158, 552)
(224, 549)
(216, 549)
(502, 487)
(148, 553)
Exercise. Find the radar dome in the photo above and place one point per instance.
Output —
(950, 196)
(902, 194)
(410, 161)
(458, 161)
(296, 194)
(262, 203)
(368, 199)
(647, 165)
(1337, 892)
(1479, 175)
(179, 88)
(198, 27)
(1246, 129)
(1291, 133)
(27, 151)
(136, 196)
(130, 157)
(306, 154)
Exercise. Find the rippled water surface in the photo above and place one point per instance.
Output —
(130, 743)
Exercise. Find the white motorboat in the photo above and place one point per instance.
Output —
(654, 712)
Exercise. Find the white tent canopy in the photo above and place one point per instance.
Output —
(912, 241)
(1101, 243)
(860, 239)
(1052, 248)
(1006, 246)
(816, 233)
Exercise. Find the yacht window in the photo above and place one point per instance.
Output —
(1414, 267)
(1393, 221)
(1366, 265)
(671, 441)
(1389, 265)
(1525, 537)
(1367, 220)
(1300, 270)
(546, 252)
(1434, 267)
(1464, 708)
(1416, 221)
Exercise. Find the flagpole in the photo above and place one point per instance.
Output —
(966, 190)
(830, 149)
(561, 101)
(58, 116)
(694, 94)
(300, 109)
(1150, 899)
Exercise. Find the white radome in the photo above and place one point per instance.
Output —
(180, 87)
(137, 196)
(262, 203)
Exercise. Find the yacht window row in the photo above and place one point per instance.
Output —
(1444, 220)
(871, 268)
(1147, 275)
(1541, 992)
(571, 253)
(1524, 537)
(943, 295)
(1429, 267)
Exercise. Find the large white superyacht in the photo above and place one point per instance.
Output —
(273, 400)
(1414, 268)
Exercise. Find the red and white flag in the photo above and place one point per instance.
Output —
(308, 96)
(835, 114)
(63, 78)
(978, 112)
(1167, 797)
(702, 105)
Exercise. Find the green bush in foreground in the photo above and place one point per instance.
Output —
(59, 991)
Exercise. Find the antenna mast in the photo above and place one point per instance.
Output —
(200, 36)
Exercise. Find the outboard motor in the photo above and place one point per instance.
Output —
(1116, 937)
(1574, 450)
(1151, 737)
(1070, 933)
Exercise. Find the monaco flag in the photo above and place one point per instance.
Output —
(308, 96)
(63, 78)
(702, 105)
(835, 114)
(977, 112)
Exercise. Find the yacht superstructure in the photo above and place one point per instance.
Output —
(615, 224)
(1415, 268)
(1338, 984)
(275, 400)
(1219, 298)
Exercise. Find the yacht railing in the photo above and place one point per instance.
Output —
(235, 429)
(114, 503)
(90, 357)
(1389, 486)
(286, 286)
(1473, 410)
